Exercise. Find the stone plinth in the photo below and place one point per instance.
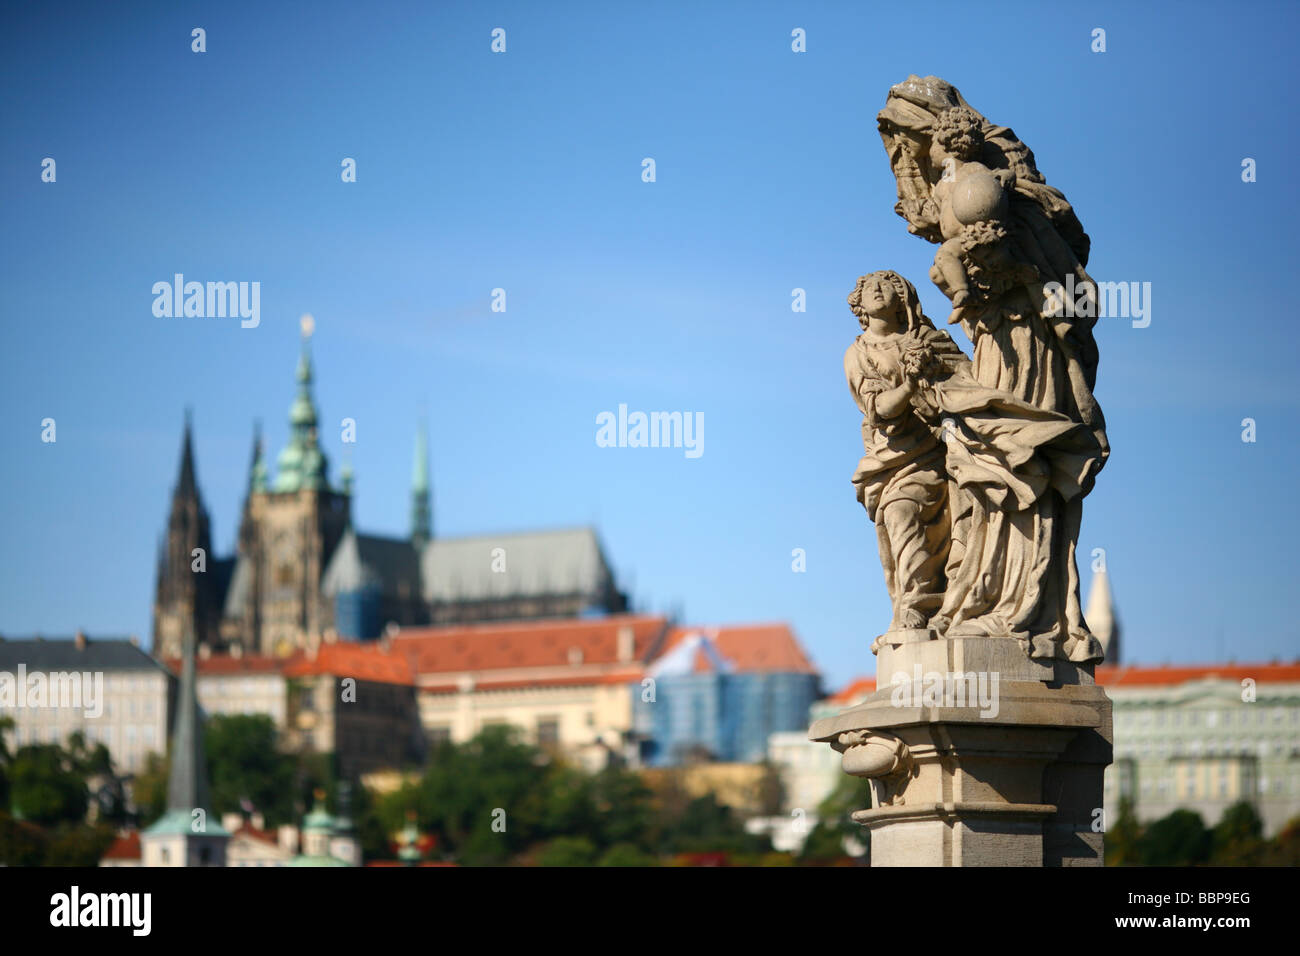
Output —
(978, 756)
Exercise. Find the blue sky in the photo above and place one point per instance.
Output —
(522, 171)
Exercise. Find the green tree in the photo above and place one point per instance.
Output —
(624, 809)
(568, 851)
(626, 854)
(78, 845)
(46, 784)
(1123, 837)
(245, 764)
(771, 791)
(825, 843)
(1179, 839)
(21, 843)
(1238, 838)
(6, 724)
(707, 826)
(485, 800)
(1283, 849)
(149, 792)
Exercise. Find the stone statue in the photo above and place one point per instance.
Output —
(901, 480)
(986, 737)
(1004, 236)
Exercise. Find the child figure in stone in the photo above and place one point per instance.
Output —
(892, 368)
(973, 203)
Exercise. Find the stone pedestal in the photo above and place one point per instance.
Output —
(978, 755)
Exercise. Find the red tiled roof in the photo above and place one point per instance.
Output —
(856, 690)
(256, 834)
(621, 676)
(1165, 676)
(749, 647)
(226, 664)
(365, 662)
(527, 644)
(125, 847)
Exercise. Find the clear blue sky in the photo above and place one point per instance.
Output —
(523, 171)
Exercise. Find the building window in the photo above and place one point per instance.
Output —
(548, 731)
(439, 735)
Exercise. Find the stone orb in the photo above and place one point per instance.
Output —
(978, 197)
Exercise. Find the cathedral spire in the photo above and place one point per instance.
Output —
(302, 464)
(187, 782)
(257, 465)
(1100, 615)
(421, 508)
(186, 483)
(187, 834)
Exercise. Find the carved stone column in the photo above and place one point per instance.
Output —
(978, 756)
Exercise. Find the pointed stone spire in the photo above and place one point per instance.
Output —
(1101, 618)
(257, 467)
(421, 495)
(187, 783)
(186, 482)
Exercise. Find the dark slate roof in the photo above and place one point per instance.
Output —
(220, 572)
(62, 654)
(538, 563)
(364, 560)
(235, 596)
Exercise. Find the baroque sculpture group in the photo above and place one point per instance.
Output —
(976, 468)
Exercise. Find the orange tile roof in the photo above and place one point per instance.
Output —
(227, 664)
(124, 847)
(856, 690)
(621, 676)
(265, 836)
(366, 662)
(1165, 676)
(524, 644)
(749, 647)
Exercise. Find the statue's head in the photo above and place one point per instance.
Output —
(959, 131)
(888, 298)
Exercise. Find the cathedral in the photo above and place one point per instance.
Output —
(301, 571)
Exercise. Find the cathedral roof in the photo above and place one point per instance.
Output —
(364, 561)
(536, 563)
(235, 597)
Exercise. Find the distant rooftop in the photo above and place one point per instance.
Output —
(743, 648)
(74, 654)
(537, 563)
(1167, 674)
(508, 645)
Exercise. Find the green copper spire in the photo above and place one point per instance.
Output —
(257, 470)
(421, 508)
(301, 463)
(345, 476)
(187, 781)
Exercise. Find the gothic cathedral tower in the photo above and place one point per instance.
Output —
(293, 528)
(183, 601)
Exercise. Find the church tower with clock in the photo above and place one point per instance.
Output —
(290, 529)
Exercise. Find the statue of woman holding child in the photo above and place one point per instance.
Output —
(975, 469)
